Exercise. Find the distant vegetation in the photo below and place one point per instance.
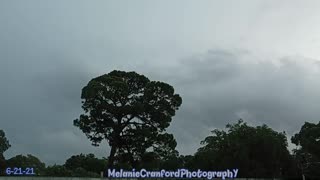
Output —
(132, 113)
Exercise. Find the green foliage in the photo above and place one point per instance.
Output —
(62, 171)
(172, 163)
(131, 112)
(88, 163)
(256, 151)
(307, 156)
(4, 145)
(149, 161)
(28, 161)
(309, 139)
(4, 142)
(57, 171)
(81, 172)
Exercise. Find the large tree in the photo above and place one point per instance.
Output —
(130, 112)
(309, 139)
(256, 151)
(308, 153)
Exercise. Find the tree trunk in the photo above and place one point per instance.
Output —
(111, 157)
(2, 165)
(133, 162)
(114, 145)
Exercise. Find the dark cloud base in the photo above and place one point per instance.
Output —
(217, 87)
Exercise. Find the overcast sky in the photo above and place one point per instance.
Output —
(256, 60)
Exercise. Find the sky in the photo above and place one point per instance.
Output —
(254, 59)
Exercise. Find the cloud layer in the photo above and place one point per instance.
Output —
(256, 60)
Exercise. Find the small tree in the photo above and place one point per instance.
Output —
(4, 145)
(4, 142)
(28, 161)
(88, 162)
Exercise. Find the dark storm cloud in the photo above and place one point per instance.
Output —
(38, 106)
(217, 88)
(50, 50)
(44, 63)
(222, 86)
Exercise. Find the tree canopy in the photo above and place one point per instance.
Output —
(86, 161)
(28, 161)
(309, 139)
(4, 142)
(4, 145)
(308, 153)
(131, 113)
(257, 151)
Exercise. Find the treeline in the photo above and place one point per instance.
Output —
(82, 165)
(257, 152)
